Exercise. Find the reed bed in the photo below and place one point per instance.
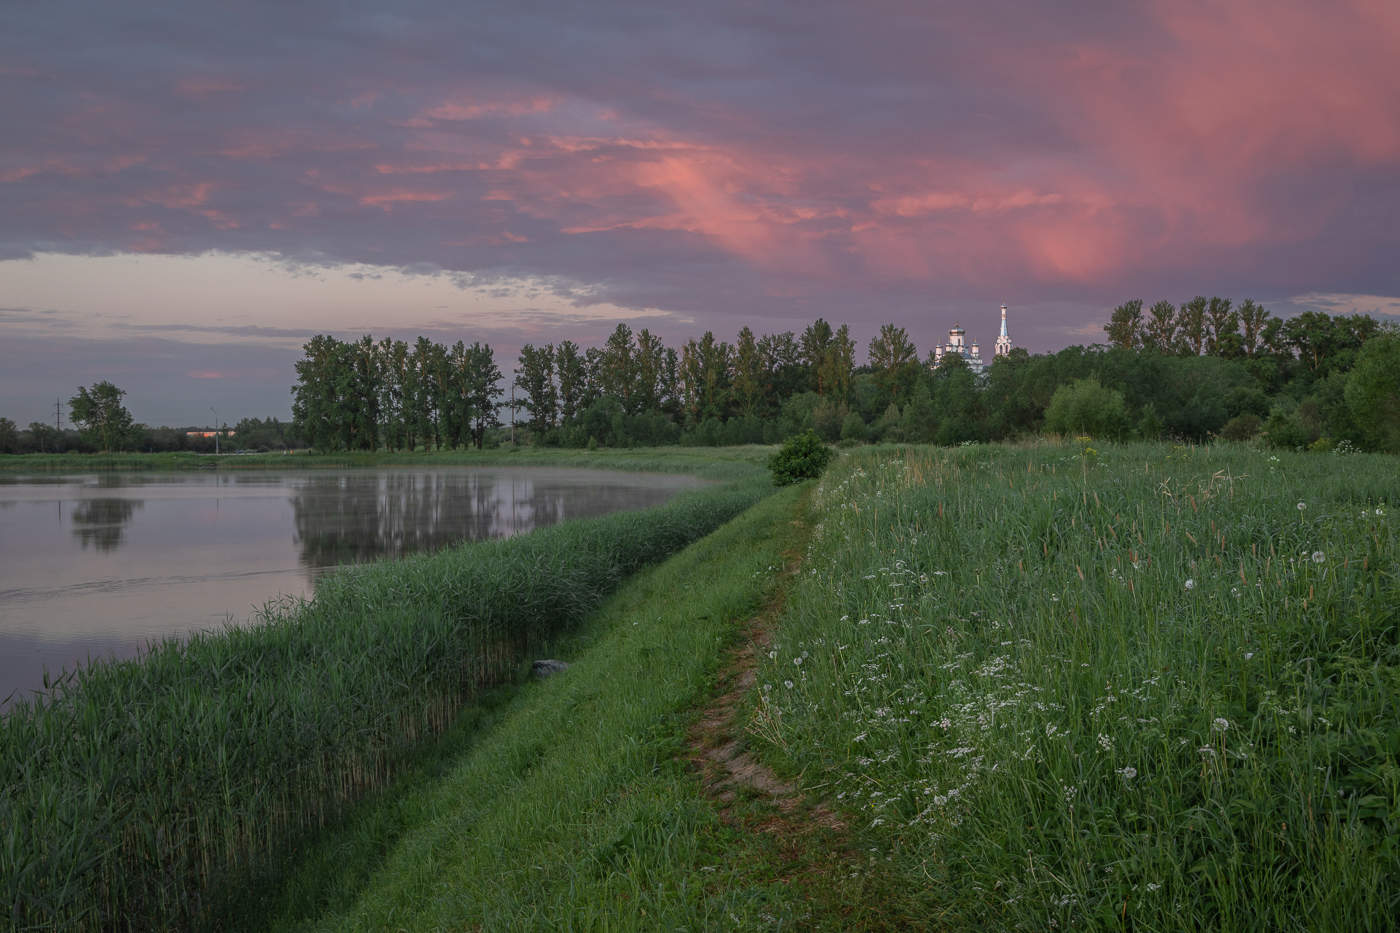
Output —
(145, 791)
(1139, 687)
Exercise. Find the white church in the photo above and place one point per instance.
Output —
(957, 343)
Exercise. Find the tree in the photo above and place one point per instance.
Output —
(536, 378)
(573, 377)
(1160, 331)
(749, 382)
(617, 373)
(839, 365)
(895, 361)
(648, 372)
(1124, 327)
(816, 345)
(783, 367)
(1373, 393)
(1192, 326)
(1252, 318)
(480, 388)
(1222, 338)
(99, 410)
(9, 437)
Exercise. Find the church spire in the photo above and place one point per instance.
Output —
(1003, 344)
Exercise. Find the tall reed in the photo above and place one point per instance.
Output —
(144, 790)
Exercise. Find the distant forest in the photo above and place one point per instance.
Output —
(1203, 369)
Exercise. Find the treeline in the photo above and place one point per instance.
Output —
(1204, 369)
(366, 395)
(256, 434)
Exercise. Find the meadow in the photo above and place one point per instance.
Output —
(145, 791)
(1052, 685)
(1134, 687)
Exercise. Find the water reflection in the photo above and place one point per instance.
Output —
(346, 518)
(102, 522)
(103, 564)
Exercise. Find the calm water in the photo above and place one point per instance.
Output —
(100, 565)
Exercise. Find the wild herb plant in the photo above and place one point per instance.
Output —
(1143, 686)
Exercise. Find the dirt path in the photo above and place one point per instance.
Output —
(717, 741)
(816, 849)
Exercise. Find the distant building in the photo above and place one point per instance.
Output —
(957, 344)
(972, 353)
(1003, 344)
(228, 433)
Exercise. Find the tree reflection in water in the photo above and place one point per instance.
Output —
(349, 518)
(102, 522)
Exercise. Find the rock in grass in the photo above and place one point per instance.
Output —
(548, 667)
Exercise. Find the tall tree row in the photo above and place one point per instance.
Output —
(366, 395)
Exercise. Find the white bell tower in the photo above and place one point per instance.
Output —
(1003, 344)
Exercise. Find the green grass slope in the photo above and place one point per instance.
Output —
(578, 809)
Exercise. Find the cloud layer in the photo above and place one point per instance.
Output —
(726, 161)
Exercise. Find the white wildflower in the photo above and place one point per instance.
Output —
(1128, 772)
(1318, 557)
(1190, 584)
(1302, 506)
(1220, 724)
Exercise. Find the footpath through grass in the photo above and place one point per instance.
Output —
(578, 808)
(1144, 688)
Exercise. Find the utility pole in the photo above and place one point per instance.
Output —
(58, 415)
(512, 410)
(216, 430)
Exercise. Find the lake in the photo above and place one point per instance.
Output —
(100, 565)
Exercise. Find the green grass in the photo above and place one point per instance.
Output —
(1143, 687)
(578, 809)
(145, 790)
(717, 463)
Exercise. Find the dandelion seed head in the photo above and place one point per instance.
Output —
(1220, 724)
(1190, 584)
(1302, 506)
(1128, 772)
(1318, 557)
(788, 684)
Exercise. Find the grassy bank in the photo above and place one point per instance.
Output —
(143, 789)
(717, 463)
(578, 809)
(1141, 687)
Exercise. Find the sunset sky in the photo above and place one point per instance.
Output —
(188, 192)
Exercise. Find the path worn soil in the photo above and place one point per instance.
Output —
(816, 850)
(717, 746)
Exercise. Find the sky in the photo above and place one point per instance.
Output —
(190, 191)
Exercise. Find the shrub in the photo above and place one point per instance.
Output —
(1242, 427)
(802, 456)
(853, 429)
(1086, 407)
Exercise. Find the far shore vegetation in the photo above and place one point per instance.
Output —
(1207, 368)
